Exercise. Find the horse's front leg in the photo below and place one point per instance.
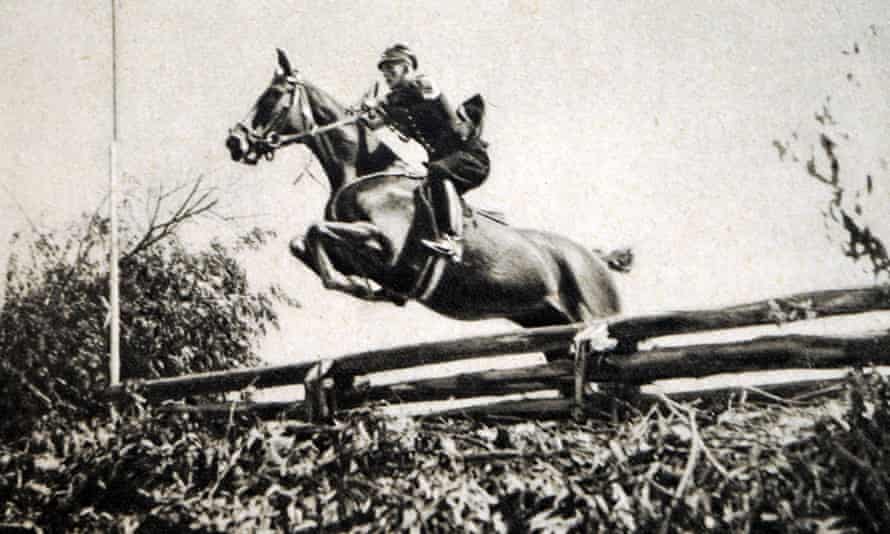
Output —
(359, 238)
(299, 249)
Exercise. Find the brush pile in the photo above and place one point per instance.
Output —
(737, 466)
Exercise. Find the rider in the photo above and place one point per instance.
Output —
(458, 160)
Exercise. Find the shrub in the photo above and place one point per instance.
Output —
(182, 311)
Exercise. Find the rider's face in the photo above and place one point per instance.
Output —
(396, 72)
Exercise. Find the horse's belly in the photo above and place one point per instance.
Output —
(493, 282)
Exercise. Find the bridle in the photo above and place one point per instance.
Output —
(266, 141)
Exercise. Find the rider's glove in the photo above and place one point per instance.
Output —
(371, 105)
(372, 112)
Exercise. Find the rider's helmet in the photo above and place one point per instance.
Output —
(398, 52)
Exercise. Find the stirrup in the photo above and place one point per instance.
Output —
(446, 246)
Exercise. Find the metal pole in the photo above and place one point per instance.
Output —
(114, 373)
(113, 275)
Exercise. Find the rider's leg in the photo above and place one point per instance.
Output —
(448, 179)
(452, 215)
(447, 214)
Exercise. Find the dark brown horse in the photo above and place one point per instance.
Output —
(375, 219)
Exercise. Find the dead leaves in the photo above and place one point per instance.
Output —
(676, 468)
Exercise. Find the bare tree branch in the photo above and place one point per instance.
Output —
(196, 203)
(21, 209)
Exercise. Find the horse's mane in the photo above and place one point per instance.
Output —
(354, 140)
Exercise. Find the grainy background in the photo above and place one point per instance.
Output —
(643, 124)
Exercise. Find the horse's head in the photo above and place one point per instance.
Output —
(281, 115)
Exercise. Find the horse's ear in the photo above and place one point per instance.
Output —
(284, 63)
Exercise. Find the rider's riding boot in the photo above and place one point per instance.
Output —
(448, 211)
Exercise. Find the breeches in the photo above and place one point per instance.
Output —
(467, 168)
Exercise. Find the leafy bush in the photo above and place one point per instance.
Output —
(186, 312)
(181, 312)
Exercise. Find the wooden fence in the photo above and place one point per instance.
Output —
(337, 383)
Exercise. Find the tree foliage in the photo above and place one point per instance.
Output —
(182, 310)
(844, 158)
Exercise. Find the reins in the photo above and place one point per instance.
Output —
(268, 141)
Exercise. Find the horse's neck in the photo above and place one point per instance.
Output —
(338, 169)
(344, 153)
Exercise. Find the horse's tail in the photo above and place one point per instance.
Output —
(620, 259)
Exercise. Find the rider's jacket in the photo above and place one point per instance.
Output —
(419, 110)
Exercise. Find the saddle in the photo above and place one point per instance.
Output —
(468, 211)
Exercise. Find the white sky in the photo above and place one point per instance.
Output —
(647, 124)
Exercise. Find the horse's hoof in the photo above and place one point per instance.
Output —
(297, 247)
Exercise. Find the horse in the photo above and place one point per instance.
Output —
(376, 217)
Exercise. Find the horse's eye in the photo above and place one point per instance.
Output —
(266, 107)
(270, 99)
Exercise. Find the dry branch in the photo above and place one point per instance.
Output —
(196, 203)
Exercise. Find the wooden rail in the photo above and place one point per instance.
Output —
(516, 342)
(693, 361)
(552, 375)
(638, 367)
(215, 382)
(626, 330)
(801, 306)
(760, 354)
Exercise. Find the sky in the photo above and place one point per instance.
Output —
(641, 124)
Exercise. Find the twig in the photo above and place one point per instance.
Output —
(505, 454)
(822, 391)
(21, 209)
(863, 466)
(696, 435)
(233, 461)
(681, 486)
(195, 204)
(475, 441)
(770, 396)
(47, 402)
